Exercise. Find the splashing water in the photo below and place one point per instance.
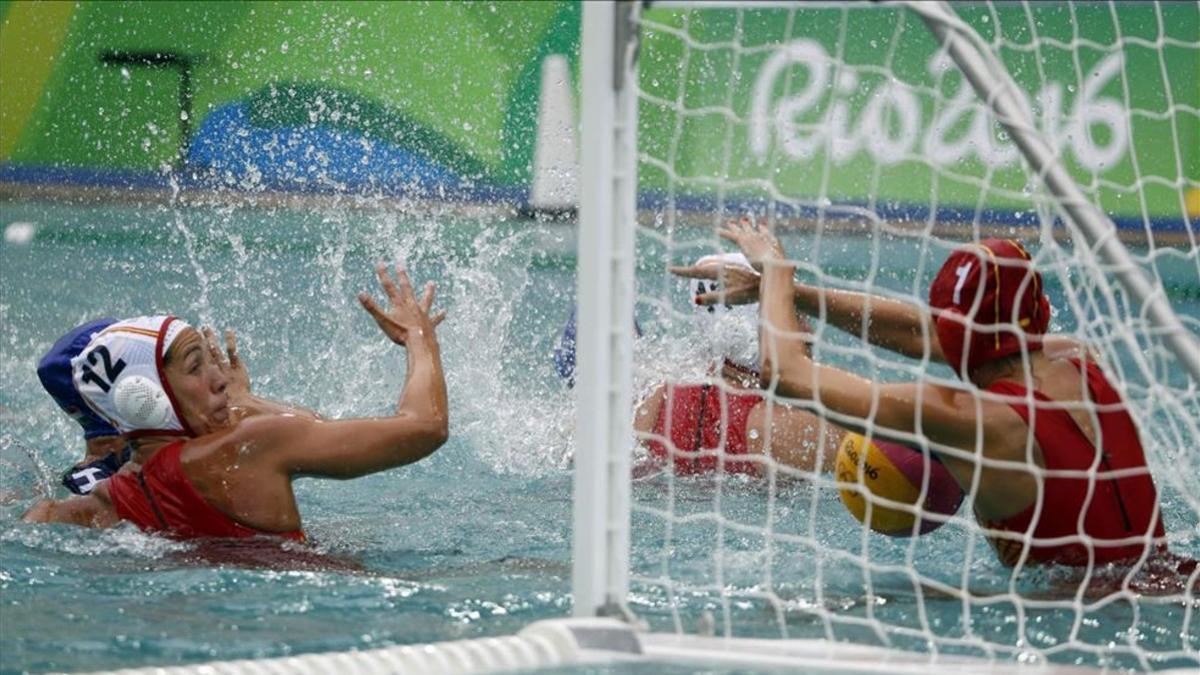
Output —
(475, 540)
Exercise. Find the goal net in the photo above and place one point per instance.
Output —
(876, 139)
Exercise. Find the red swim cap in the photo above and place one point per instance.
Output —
(989, 295)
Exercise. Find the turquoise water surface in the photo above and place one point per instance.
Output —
(475, 540)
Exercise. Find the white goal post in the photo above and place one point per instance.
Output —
(608, 200)
(609, 217)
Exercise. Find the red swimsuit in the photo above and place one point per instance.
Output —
(160, 498)
(706, 421)
(1123, 507)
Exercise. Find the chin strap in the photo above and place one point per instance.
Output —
(748, 375)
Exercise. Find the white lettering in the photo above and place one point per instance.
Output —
(807, 53)
(961, 274)
(1088, 112)
(873, 128)
(938, 147)
(891, 125)
(843, 143)
(89, 474)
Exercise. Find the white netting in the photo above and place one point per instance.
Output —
(849, 127)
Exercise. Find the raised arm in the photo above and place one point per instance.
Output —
(903, 327)
(351, 448)
(942, 415)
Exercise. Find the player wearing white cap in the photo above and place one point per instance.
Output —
(204, 472)
(725, 423)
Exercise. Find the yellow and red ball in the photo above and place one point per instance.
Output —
(896, 473)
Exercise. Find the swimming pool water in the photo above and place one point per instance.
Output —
(475, 540)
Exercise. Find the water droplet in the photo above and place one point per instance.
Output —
(753, 434)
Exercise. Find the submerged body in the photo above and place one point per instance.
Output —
(700, 428)
(162, 498)
(1118, 506)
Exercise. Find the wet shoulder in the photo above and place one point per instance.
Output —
(248, 437)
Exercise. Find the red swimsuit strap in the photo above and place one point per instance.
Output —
(179, 507)
(1043, 420)
(1053, 422)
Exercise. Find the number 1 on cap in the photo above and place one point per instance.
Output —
(962, 272)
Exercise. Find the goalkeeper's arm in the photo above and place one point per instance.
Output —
(903, 327)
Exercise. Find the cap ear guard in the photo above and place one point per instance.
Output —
(698, 287)
(1041, 322)
(142, 403)
(725, 334)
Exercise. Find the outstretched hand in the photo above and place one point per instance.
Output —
(756, 240)
(740, 284)
(406, 317)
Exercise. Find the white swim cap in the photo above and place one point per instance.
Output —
(730, 333)
(120, 375)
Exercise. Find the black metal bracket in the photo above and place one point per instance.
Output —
(165, 59)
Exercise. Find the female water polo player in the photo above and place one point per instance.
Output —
(203, 472)
(1058, 470)
(730, 425)
(106, 451)
(701, 427)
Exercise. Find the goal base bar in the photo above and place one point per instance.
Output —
(583, 641)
